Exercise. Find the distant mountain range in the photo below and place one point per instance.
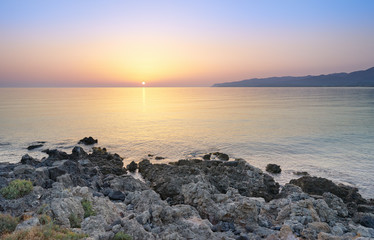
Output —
(364, 78)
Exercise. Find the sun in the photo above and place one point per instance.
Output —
(143, 83)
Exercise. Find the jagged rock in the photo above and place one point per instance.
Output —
(23, 170)
(62, 167)
(132, 166)
(107, 162)
(78, 153)
(63, 208)
(125, 183)
(27, 159)
(193, 199)
(273, 168)
(167, 179)
(88, 141)
(94, 226)
(318, 186)
(28, 224)
(55, 154)
(336, 204)
(65, 180)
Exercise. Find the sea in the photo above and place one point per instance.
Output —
(328, 132)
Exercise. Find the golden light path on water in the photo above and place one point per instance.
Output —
(327, 132)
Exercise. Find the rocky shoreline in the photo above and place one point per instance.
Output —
(94, 197)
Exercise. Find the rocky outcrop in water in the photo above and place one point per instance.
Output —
(273, 168)
(187, 199)
(88, 141)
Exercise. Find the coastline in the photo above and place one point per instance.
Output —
(188, 199)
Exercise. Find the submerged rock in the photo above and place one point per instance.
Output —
(31, 147)
(88, 141)
(301, 173)
(273, 168)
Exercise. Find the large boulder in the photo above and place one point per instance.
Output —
(318, 186)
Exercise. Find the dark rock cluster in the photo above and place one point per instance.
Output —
(88, 141)
(213, 198)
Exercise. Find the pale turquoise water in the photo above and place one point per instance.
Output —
(328, 132)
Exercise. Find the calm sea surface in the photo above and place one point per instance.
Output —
(328, 132)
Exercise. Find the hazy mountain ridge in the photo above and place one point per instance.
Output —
(363, 78)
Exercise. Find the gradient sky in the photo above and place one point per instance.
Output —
(179, 43)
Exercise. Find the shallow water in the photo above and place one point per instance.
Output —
(328, 132)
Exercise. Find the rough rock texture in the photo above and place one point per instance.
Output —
(168, 179)
(88, 141)
(318, 186)
(132, 166)
(188, 199)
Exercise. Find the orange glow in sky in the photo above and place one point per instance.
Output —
(189, 43)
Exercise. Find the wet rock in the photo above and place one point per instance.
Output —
(301, 173)
(27, 159)
(206, 156)
(31, 147)
(221, 156)
(88, 141)
(273, 168)
(54, 155)
(132, 167)
(318, 186)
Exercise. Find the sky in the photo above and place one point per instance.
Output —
(88, 43)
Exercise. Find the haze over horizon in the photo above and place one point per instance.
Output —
(191, 43)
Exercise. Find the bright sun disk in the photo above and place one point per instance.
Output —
(143, 83)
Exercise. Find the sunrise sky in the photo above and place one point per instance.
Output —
(179, 43)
